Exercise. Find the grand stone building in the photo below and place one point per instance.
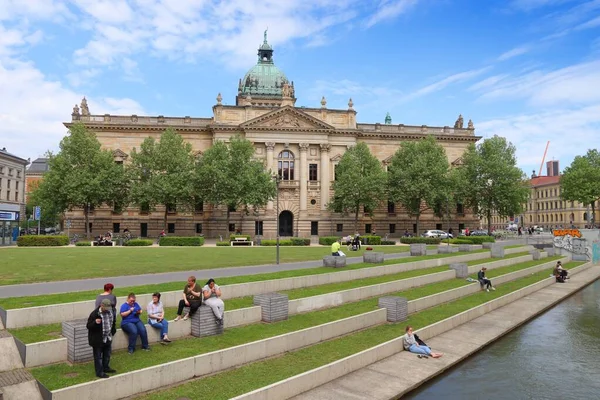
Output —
(12, 195)
(302, 144)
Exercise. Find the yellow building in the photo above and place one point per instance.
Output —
(302, 144)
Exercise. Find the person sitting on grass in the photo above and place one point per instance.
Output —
(132, 325)
(485, 283)
(415, 345)
(212, 293)
(156, 318)
(101, 329)
(560, 273)
(192, 298)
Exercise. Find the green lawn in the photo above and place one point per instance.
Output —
(255, 375)
(28, 265)
(59, 298)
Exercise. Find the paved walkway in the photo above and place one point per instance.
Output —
(397, 375)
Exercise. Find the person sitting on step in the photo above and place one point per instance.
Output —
(411, 343)
(560, 273)
(485, 283)
(132, 325)
(192, 298)
(212, 293)
(156, 318)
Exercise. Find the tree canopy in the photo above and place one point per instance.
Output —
(418, 177)
(581, 181)
(162, 172)
(489, 180)
(360, 181)
(81, 175)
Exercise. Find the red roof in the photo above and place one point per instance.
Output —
(544, 180)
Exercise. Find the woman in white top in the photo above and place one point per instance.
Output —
(212, 293)
(410, 344)
(156, 318)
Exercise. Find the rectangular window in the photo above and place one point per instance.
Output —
(198, 228)
(438, 227)
(231, 227)
(16, 185)
(171, 208)
(314, 228)
(339, 228)
(461, 227)
(367, 210)
(258, 228)
(90, 227)
(335, 172)
(144, 230)
(286, 170)
(199, 206)
(414, 228)
(8, 184)
(144, 209)
(231, 208)
(391, 207)
(10, 172)
(171, 228)
(312, 172)
(8, 195)
(16, 196)
(367, 228)
(392, 228)
(116, 227)
(460, 209)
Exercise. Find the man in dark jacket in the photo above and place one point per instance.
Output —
(101, 328)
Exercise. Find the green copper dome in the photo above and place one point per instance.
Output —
(263, 79)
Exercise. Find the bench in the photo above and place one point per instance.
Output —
(113, 243)
(241, 242)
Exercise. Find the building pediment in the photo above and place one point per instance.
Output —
(118, 153)
(288, 118)
(457, 162)
(336, 158)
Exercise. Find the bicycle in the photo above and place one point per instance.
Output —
(75, 239)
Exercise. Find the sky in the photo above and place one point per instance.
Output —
(528, 70)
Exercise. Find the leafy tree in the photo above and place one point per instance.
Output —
(228, 175)
(162, 173)
(581, 180)
(489, 179)
(418, 178)
(361, 181)
(81, 175)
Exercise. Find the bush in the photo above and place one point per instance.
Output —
(481, 239)
(181, 241)
(426, 240)
(273, 242)
(223, 243)
(371, 240)
(42, 240)
(300, 241)
(328, 240)
(83, 243)
(459, 241)
(138, 242)
(388, 242)
(232, 237)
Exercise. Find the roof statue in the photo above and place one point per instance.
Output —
(265, 35)
(75, 110)
(219, 99)
(350, 104)
(84, 107)
(323, 102)
(388, 119)
(459, 124)
(470, 125)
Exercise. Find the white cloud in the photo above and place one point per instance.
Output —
(390, 9)
(517, 51)
(445, 82)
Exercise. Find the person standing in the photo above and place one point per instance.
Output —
(212, 293)
(156, 318)
(132, 325)
(108, 294)
(101, 329)
(192, 298)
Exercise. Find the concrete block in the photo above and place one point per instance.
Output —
(11, 357)
(23, 390)
(334, 261)
(445, 249)
(579, 257)
(418, 249)
(274, 306)
(464, 248)
(550, 251)
(536, 254)
(488, 245)
(497, 251)
(397, 308)
(204, 323)
(373, 257)
(76, 333)
(462, 269)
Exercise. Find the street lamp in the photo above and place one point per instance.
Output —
(277, 179)
(448, 215)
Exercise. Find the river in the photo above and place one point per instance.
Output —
(554, 356)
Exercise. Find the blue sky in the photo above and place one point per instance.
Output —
(528, 70)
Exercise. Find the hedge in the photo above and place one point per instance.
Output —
(273, 242)
(426, 240)
(459, 241)
(83, 243)
(139, 242)
(296, 241)
(388, 242)
(328, 240)
(42, 240)
(371, 240)
(233, 237)
(481, 239)
(224, 243)
(181, 241)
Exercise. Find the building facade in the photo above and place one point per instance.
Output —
(34, 175)
(301, 144)
(12, 195)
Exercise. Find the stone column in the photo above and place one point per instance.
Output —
(325, 178)
(270, 147)
(303, 176)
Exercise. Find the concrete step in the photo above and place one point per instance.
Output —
(11, 359)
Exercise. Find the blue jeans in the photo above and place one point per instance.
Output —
(162, 325)
(419, 349)
(133, 329)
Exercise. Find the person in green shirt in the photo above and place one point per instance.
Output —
(335, 248)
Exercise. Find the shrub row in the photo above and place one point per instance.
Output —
(138, 242)
(480, 239)
(181, 241)
(367, 239)
(286, 242)
(388, 242)
(223, 243)
(42, 240)
(233, 237)
(426, 240)
(83, 243)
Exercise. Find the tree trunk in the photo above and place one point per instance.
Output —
(227, 224)
(593, 215)
(86, 212)
(489, 221)
(165, 218)
(418, 224)
(356, 219)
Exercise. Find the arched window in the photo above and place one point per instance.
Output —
(285, 165)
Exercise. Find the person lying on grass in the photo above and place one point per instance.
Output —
(411, 343)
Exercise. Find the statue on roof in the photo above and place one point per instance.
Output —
(265, 35)
(75, 110)
(286, 90)
(470, 125)
(84, 107)
(388, 119)
(459, 124)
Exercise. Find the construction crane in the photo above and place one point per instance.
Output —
(544, 158)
